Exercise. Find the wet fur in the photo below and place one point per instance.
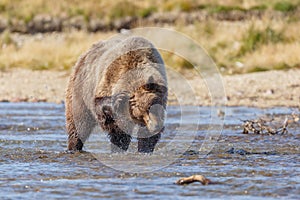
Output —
(114, 77)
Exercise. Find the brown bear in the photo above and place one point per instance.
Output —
(121, 85)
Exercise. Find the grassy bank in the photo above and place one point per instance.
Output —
(27, 9)
(56, 51)
(249, 46)
(258, 44)
(236, 47)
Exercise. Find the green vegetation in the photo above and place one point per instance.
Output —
(223, 9)
(175, 61)
(177, 5)
(147, 11)
(6, 38)
(254, 38)
(282, 66)
(257, 69)
(279, 66)
(28, 18)
(123, 9)
(285, 6)
(259, 7)
(186, 6)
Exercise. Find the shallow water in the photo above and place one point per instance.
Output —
(34, 164)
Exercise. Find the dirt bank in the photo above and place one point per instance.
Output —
(263, 89)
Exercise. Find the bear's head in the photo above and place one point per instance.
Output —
(144, 107)
(147, 106)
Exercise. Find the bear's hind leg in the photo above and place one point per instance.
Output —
(79, 122)
(74, 143)
(79, 133)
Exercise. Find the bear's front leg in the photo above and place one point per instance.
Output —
(147, 144)
(109, 112)
(119, 142)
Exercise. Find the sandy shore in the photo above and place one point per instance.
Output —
(262, 89)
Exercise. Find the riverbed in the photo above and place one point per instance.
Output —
(34, 163)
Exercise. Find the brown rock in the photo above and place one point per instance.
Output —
(3, 24)
(17, 26)
(124, 23)
(98, 25)
(44, 23)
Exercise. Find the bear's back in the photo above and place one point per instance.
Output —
(130, 61)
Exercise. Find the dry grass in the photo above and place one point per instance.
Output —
(50, 51)
(57, 51)
(27, 9)
(223, 41)
(236, 46)
(278, 56)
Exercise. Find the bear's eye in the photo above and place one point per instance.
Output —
(156, 88)
(150, 86)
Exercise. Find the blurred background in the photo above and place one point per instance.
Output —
(241, 36)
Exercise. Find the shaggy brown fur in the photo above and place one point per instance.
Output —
(121, 85)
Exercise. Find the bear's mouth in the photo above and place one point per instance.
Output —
(154, 119)
(153, 124)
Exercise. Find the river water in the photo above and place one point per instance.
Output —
(35, 165)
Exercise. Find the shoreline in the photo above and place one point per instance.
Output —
(260, 89)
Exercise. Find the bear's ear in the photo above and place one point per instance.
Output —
(104, 110)
(150, 80)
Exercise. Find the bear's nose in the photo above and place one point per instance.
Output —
(155, 119)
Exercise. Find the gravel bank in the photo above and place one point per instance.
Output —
(263, 89)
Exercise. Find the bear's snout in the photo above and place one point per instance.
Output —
(154, 119)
